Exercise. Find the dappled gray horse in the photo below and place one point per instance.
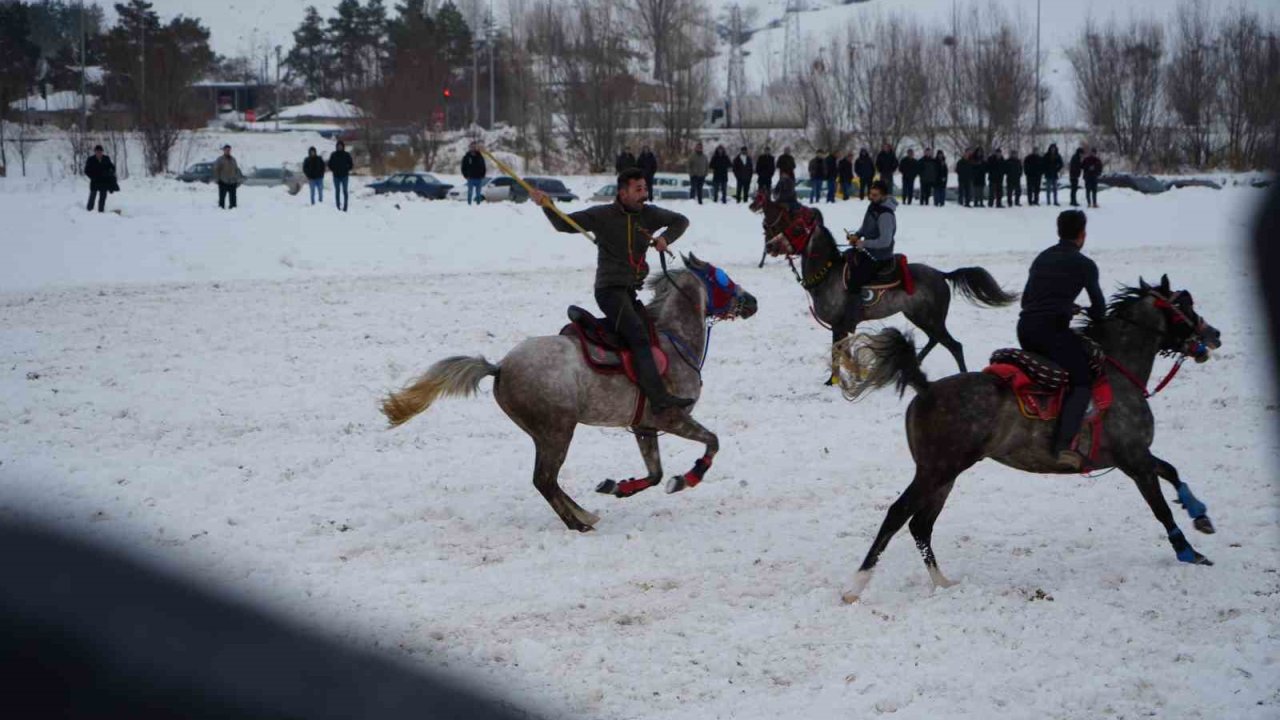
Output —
(955, 422)
(546, 386)
(822, 275)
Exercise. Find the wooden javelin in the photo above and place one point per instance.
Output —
(563, 216)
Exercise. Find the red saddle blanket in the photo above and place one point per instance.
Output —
(1040, 403)
(899, 274)
(608, 360)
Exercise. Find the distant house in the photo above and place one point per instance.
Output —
(60, 109)
(230, 96)
(320, 110)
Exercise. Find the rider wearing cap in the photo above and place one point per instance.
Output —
(624, 230)
(872, 248)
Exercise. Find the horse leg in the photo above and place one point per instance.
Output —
(683, 425)
(922, 530)
(1144, 475)
(837, 334)
(929, 346)
(648, 442)
(921, 489)
(1196, 509)
(934, 326)
(551, 452)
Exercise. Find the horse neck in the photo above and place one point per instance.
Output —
(677, 314)
(1132, 342)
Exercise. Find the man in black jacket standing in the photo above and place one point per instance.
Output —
(829, 167)
(787, 162)
(625, 160)
(817, 171)
(1013, 178)
(624, 230)
(865, 169)
(474, 170)
(844, 172)
(928, 176)
(340, 164)
(1073, 169)
(313, 169)
(910, 168)
(102, 178)
(765, 168)
(964, 178)
(1033, 165)
(887, 165)
(995, 179)
(743, 170)
(648, 164)
(1091, 169)
(1048, 303)
(978, 170)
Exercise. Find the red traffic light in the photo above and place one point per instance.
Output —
(448, 92)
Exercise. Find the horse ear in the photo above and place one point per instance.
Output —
(1164, 283)
(1143, 286)
(692, 262)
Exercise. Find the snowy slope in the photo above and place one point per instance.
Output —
(200, 387)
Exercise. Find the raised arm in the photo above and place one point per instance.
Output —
(1097, 301)
(674, 222)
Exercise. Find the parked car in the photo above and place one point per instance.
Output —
(199, 172)
(1144, 184)
(504, 188)
(270, 177)
(459, 192)
(1194, 182)
(420, 184)
(606, 193)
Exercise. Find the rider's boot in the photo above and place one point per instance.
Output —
(651, 384)
(1073, 409)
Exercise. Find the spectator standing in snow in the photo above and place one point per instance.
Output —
(865, 169)
(743, 170)
(1033, 164)
(928, 176)
(1052, 165)
(1013, 179)
(995, 179)
(1091, 168)
(765, 168)
(1073, 169)
(720, 165)
(102, 178)
(910, 168)
(964, 178)
(648, 164)
(787, 162)
(844, 172)
(698, 166)
(830, 166)
(226, 171)
(474, 170)
(340, 164)
(625, 160)
(887, 165)
(978, 174)
(940, 187)
(817, 170)
(313, 168)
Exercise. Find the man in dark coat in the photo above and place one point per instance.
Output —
(995, 179)
(865, 169)
(765, 168)
(340, 164)
(787, 162)
(817, 172)
(743, 169)
(964, 178)
(625, 160)
(940, 188)
(844, 173)
(474, 170)
(1048, 303)
(829, 167)
(928, 176)
(910, 168)
(648, 164)
(1073, 170)
(720, 165)
(313, 169)
(1091, 169)
(1013, 179)
(102, 178)
(978, 170)
(624, 230)
(1033, 165)
(1052, 166)
(887, 165)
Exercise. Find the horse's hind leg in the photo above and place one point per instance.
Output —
(1144, 475)
(921, 490)
(551, 451)
(682, 425)
(1196, 509)
(937, 331)
(922, 530)
(648, 442)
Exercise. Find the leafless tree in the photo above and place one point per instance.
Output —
(662, 23)
(686, 81)
(990, 94)
(1119, 76)
(1193, 87)
(1250, 86)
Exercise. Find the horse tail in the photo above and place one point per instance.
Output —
(874, 361)
(977, 286)
(453, 376)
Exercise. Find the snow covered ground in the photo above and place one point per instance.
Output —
(201, 387)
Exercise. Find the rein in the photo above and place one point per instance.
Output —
(1141, 385)
(686, 353)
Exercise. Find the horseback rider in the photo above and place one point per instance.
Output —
(1044, 327)
(623, 233)
(872, 251)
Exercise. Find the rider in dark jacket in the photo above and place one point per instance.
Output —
(624, 231)
(1048, 302)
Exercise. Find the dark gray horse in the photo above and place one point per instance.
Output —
(957, 421)
(546, 387)
(822, 272)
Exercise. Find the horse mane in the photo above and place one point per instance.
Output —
(1126, 296)
(663, 288)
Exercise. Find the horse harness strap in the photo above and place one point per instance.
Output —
(1141, 385)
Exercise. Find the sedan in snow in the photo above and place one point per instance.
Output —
(200, 172)
(504, 188)
(420, 184)
(270, 177)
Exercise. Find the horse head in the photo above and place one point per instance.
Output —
(1186, 332)
(726, 300)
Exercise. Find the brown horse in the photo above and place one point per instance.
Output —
(822, 273)
(955, 422)
(546, 387)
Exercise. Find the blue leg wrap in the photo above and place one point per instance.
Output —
(1194, 507)
(1181, 546)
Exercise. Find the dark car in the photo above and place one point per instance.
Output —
(1194, 182)
(504, 188)
(420, 184)
(200, 172)
(1144, 184)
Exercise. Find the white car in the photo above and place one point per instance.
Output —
(504, 188)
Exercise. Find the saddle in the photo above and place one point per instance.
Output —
(603, 350)
(892, 274)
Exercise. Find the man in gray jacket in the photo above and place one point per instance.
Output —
(699, 164)
(872, 249)
(226, 171)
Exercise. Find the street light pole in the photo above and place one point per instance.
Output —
(493, 42)
(1036, 129)
(83, 108)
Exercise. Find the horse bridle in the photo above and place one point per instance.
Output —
(1194, 344)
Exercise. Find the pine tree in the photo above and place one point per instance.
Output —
(310, 57)
(345, 39)
(455, 34)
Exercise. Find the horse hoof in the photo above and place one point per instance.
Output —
(676, 484)
(832, 381)
(1201, 560)
(1204, 525)
(608, 487)
(585, 528)
(850, 598)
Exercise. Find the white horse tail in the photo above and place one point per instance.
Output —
(453, 376)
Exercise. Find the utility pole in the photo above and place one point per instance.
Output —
(142, 83)
(84, 111)
(492, 32)
(475, 82)
(737, 64)
(277, 113)
(1035, 130)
